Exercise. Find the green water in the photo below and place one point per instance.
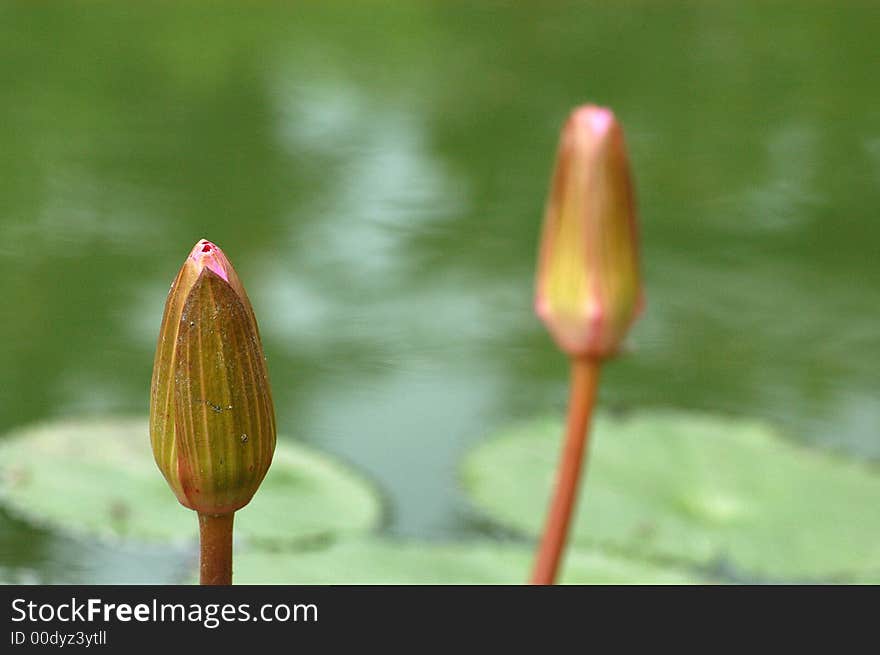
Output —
(377, 174)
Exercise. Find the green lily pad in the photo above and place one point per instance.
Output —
(372, 561)
(694, 487)
(98, 478)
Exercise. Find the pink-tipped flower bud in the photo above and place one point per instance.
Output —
(212, 421)
(588, 289)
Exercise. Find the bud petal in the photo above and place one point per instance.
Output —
(212, 424)
(588, 289)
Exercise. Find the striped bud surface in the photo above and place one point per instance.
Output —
(212, 422)
(588, 287)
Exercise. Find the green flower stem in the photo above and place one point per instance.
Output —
(215, 538)
(584, 384)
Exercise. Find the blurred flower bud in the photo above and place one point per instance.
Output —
(212, 421)
(588, 289)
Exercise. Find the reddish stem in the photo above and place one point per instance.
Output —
(215, 539)
(584, 383)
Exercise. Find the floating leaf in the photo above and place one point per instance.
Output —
(98, 477)
(484, 562)
(693, 487)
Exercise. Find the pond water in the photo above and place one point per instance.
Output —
(377, 176)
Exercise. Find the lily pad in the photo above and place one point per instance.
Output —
(693, 487)
(98, 478)
(372, 561)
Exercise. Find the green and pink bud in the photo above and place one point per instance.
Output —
(212, 420)
(588, 288)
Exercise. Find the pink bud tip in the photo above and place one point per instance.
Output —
(598, 119)
(208, 255)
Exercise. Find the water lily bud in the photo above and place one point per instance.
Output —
(588, 289)
(212, 421)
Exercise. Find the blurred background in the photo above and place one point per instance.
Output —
(377, 174)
